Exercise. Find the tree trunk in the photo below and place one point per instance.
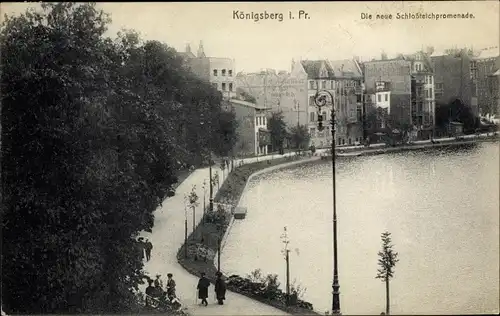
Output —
(387, 303)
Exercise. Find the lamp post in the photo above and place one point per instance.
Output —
(321, 100)
(202, 122)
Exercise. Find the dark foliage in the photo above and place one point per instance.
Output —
(94, 132)
(456, 111)
(277, 126)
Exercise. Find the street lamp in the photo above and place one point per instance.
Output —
(211, 205)
(321, 100)
(204, 196)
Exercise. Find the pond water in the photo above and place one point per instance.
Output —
(441, 206)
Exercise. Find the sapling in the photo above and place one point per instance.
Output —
(387, 261)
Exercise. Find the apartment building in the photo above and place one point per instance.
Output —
(278, 90)
(453, 78)
(253, 135)
(219, 71)
(405, 87)
(484, 66)
(343, 80)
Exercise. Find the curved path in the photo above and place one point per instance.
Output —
(167, 238)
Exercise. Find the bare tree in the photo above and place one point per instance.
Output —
(387, 261)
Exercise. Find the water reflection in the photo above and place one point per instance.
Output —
(441, 207)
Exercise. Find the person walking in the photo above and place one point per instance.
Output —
(170, 286)
(203, 285)
(148, 246)
(158, 282)
(220, 289)
(141, 247)
(150, 292)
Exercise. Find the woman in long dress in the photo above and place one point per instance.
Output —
(203, 285)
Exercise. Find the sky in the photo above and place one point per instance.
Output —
(333, 30)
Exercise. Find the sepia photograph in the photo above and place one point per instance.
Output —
(250, 158)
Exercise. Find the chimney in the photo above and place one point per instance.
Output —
(201, 52)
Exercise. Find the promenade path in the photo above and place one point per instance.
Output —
(168, 236)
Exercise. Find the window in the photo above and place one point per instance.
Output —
(359, 98)
(386, 97)
(426, 79)
(230, 87)
(311, 117)
(312, 84)
(265, 121)
(223, 86)
(311, 100)
(324, 116)
(323, 84)
(430, 92)
(230, 73)
(215, 72)
(223, 72)
(379, 98)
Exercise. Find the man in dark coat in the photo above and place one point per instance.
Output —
(148, 246)
(150, 292)
(170, 286)
(203, 285)
(220, 289)
(140, 245)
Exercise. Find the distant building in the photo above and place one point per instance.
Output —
(253, 136)
(397, 74)
(483, 69)
(494, 92)
(219, 71)
(280, 91)
(453, 78)
(343, 79)
(405, 87)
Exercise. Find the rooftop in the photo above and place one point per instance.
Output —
(312, 68)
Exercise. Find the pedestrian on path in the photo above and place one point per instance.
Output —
(170, 286)
(141, 247)
(150, 292)
(220, 289)
(203, 285)
(158, 282)
(148, 246)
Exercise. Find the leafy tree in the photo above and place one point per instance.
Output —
(93, 133)
(277, 128)
(456, 111)
(300, 136)
(226, 134)
(245, 96)
(387, 261)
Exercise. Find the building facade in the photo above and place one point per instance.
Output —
(483, 68)
(494, 92)
(281, 91)
(453, 78)
(220, 72)
(253, 135)
(404, 86)
(396, 74)
(343, 80)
